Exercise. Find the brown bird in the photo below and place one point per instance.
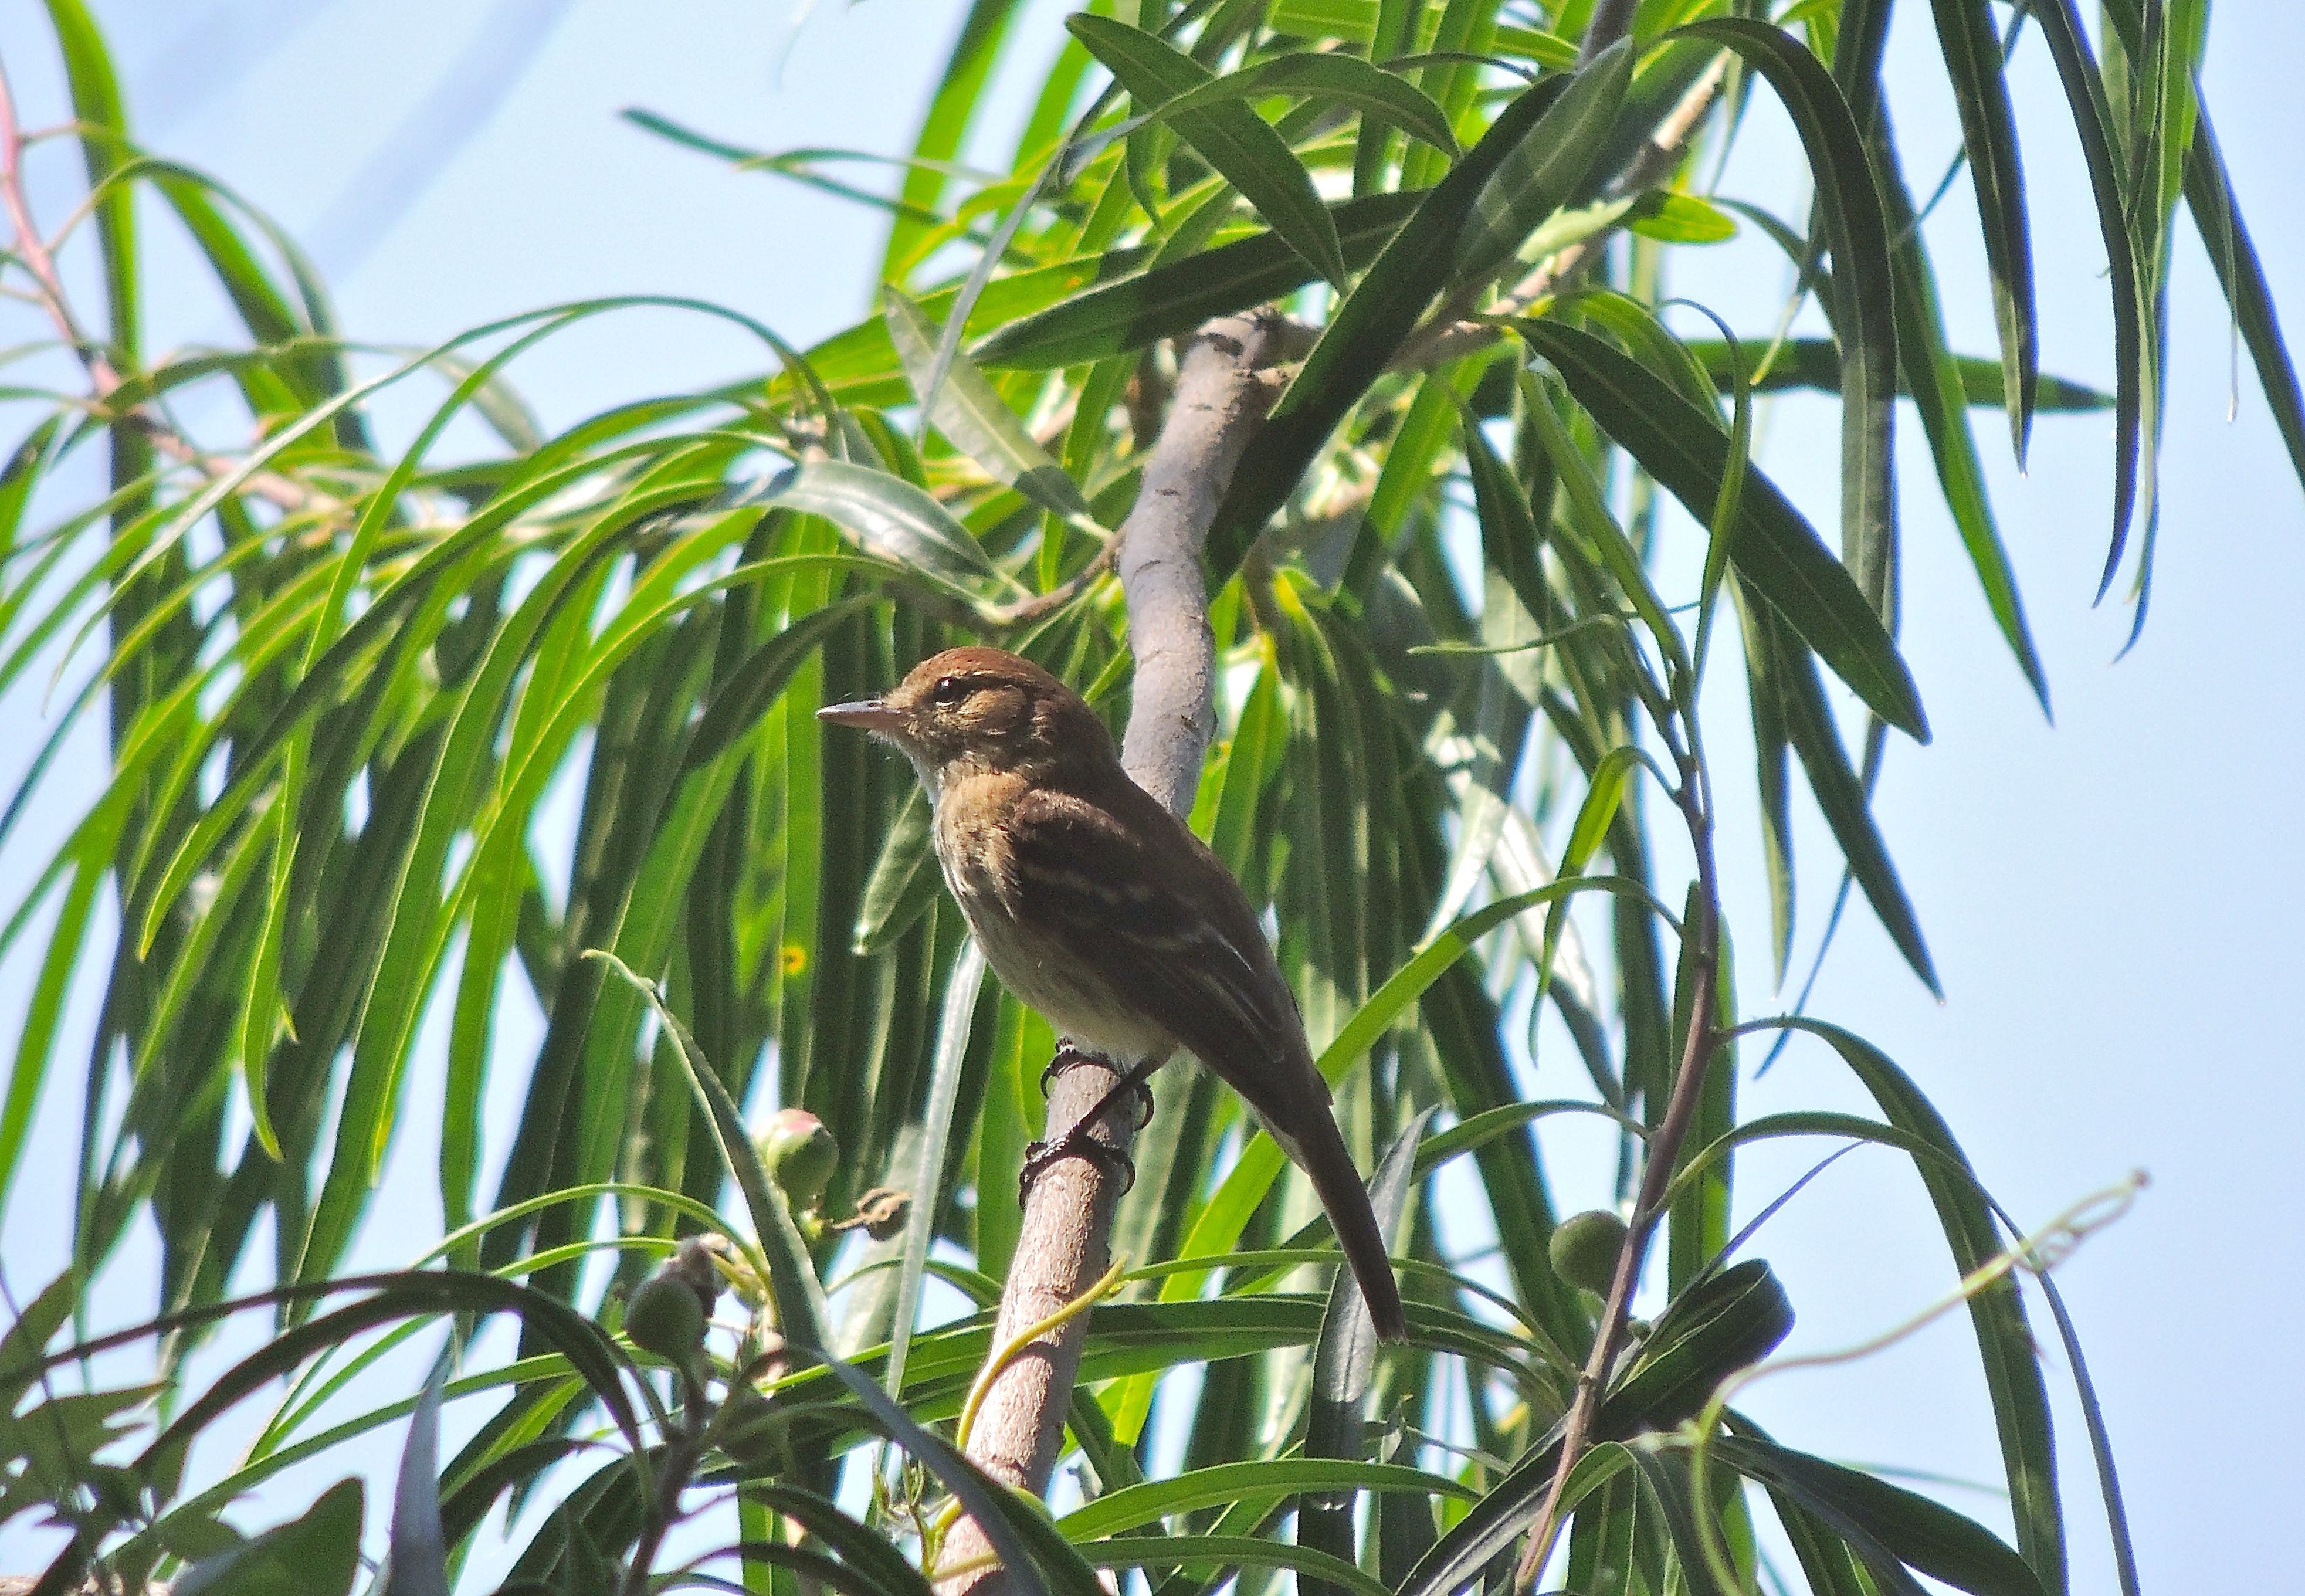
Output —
(1101, 909)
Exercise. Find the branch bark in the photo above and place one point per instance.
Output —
(1224, 385)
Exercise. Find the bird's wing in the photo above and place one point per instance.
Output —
(1169, 932)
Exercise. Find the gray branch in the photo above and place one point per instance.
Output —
(1223, 390)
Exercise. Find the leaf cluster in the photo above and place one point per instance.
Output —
(405, 725)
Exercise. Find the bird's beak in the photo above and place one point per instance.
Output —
(872, 715)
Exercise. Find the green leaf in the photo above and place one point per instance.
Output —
(101, 117)
(1352, 20)
(2135, 358)
(904, 881)
(863, 1549)
(316, 1554)
(1548, 50)
(1687, 451)
(888, 516)
(1926, 1536)
(1540, 174)
(1988, 134)
(1234, 139)
(1864, 315)
(1674, 218)
(1664, 1469)
(974, 417)
(1144, 306)
(1766, 690)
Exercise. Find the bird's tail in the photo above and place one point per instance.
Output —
(1323, 1156)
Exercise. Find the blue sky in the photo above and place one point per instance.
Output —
(2109, 899)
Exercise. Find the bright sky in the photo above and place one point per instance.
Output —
(2109, 901)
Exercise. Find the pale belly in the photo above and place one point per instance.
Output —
(1045, 973)
(1051, 980)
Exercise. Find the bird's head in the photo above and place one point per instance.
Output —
(983, 711)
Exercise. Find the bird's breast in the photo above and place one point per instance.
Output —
(1027, 947)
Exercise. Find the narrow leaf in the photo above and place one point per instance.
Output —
(1775, 548)
(1239, 144)
(974, 417)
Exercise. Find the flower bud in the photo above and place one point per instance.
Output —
(666, 1318)
(1585, 1248)
(799, 1155)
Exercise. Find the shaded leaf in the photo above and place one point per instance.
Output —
(316, 1554)
(1687, 451)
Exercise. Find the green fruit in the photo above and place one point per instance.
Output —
(799, 1154)
(1585, 1248)
(666, 1318)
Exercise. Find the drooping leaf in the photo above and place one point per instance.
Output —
(1687, 452)
(1232, 138)
(1865, 317)
(1924, 1536)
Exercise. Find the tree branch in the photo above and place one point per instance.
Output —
(1223, 388)
(105, 379)
(1448, 337)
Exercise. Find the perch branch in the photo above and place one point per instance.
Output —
(1223, 390)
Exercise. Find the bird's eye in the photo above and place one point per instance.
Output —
(950, 689)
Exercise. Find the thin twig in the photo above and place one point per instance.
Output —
(33, 252)
(1023, 612)
(1663, 1152)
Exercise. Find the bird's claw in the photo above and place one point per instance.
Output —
(1137, 1083)
(1068, 1057)
(1078, 1142)
(1081, 1142)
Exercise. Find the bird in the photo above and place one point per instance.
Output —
(1098, 907)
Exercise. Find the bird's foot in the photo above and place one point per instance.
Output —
(1068, 1057)
(1081, 1142)
(1137, 1081)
